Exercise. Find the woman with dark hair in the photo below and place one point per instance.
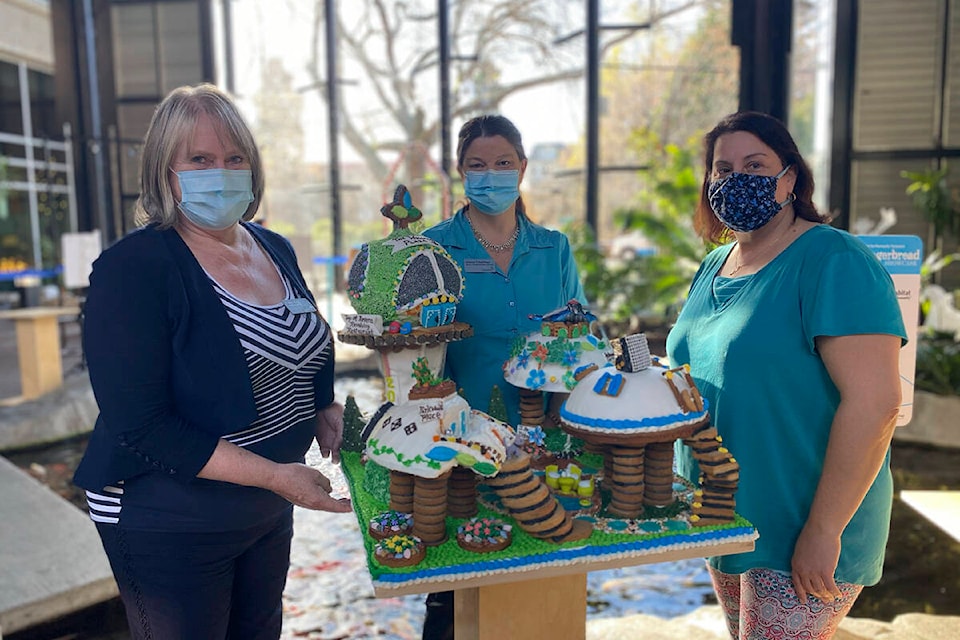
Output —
(513, 269)
(792, 332)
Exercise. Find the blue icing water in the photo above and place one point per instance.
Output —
(441, 454)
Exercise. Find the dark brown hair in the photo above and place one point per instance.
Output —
(487, 126)
(775, 135)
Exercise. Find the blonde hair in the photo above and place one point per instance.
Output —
(172, 126)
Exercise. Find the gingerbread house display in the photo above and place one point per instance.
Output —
(405, 289)
(635, 409)
(545, 360)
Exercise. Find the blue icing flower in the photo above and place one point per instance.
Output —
(536, 435)
(571, 356)
(536, 379)
(522, 359)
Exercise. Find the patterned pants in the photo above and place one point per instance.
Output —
(762, 604)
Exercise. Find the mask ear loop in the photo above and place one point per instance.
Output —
(791, 197)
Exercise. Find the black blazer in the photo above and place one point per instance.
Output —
(165, 362)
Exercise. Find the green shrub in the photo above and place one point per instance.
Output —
(938, 364)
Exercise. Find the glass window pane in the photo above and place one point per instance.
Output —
(897, 92)
(811, 88)
(133, 120)
(41, 106)
(178, 27)
(11, 120)
(134, 50)
(877, 183)
(951, 127)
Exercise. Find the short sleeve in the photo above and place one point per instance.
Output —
(851, 294)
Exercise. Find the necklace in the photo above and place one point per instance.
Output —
(490, 246)
(775, 246)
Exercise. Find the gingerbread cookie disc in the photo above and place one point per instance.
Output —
(390, 523)
(399, 551)
(483, 535)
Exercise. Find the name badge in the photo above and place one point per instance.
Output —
(299, 305)
(475, 265)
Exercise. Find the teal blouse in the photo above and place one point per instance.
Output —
(750, 345)
(542, 277)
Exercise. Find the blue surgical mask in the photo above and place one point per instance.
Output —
(746, 202)
(492, 192)
(215, 198)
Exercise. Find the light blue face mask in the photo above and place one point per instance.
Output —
(215, 198)
(492, 192)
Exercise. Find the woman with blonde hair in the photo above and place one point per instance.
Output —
(213, 373)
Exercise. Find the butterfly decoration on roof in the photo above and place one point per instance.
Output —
(401, 209)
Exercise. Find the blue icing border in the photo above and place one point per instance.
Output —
(629, 425)
(565, 555)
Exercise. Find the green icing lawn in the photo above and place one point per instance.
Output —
(607, 531)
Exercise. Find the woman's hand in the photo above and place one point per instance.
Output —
(306, 487)
(329, 431)
(865, 369)
(815, 559)
(298, 483)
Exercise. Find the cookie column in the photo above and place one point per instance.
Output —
(626, 480)
(430, 509)
(462, 493)
(401, 492)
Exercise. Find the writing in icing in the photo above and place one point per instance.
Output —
(405, 242)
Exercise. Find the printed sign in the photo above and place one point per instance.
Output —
(902, 257)
(364, 324)
(78, 251)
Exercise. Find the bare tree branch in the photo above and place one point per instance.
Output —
(485, 35)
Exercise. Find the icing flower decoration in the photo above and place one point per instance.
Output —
(540, 353)
(394, 521)
(536, 379)
(522, 359)
(568, 380)
(571, 356)
(536, 435)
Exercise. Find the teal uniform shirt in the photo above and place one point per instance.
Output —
(542, 277)
(750, 345)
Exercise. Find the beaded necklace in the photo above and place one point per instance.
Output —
(489, 246)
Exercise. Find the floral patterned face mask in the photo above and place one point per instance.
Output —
(746, 202)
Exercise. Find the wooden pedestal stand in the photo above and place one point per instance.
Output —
(545, 607)
(550, 601)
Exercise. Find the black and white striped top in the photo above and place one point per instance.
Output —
(284, 352)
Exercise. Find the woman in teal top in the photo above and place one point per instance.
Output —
(792, 333)
(512, 269)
